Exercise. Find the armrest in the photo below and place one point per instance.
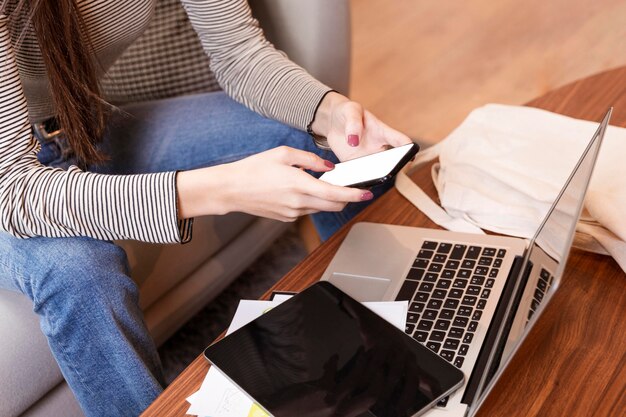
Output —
(314, 34)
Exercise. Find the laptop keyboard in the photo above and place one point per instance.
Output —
(447, 288)
(543, 285)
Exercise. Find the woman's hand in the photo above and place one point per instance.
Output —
(270, 184)
(351, 130)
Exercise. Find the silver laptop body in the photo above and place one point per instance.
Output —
(472, 298)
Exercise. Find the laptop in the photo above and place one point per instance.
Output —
(472, 298)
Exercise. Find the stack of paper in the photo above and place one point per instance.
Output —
(218, 397)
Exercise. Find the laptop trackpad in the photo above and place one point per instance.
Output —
(359, 287)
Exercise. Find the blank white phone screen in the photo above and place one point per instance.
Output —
(366, 168)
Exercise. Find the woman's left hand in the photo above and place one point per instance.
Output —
(351, 130)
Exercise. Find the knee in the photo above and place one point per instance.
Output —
(79, 271)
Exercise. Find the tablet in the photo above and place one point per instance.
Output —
(322, 353)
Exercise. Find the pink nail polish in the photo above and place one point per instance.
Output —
(329, 164)
(367, 196)
(353, 140)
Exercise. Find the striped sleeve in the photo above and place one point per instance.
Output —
(248, 67)
(41, 201)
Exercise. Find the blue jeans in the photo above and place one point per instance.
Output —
(81, 287)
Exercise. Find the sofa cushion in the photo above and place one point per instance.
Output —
(27, 367)
(159, 268)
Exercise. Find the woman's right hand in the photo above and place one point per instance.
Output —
(270, 184)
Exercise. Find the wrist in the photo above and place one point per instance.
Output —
(201, 192)
(323, 116)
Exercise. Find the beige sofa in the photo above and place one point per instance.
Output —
(176, 280)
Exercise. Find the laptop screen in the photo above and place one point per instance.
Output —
(544, 261)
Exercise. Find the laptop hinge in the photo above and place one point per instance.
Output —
(490, 343)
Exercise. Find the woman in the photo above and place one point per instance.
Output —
(143, 172)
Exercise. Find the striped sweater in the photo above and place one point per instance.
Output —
(41, 201)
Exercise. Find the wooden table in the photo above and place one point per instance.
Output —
(574, 361)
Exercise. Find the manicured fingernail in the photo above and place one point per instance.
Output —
(367, 196)
(329, 164)
(353, 140)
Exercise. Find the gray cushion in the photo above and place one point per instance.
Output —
(27, 367)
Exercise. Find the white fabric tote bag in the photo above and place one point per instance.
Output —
(502, 168)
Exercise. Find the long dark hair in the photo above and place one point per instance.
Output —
(71, 67)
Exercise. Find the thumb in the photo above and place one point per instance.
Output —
(354, 123)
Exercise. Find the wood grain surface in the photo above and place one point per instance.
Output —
(574, 361)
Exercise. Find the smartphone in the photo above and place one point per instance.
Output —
(371, 170)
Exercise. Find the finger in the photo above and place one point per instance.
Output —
(304, 159)
(328, 192)
(353, 114)
(308, 204)
(393, 137)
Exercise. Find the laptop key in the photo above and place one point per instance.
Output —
(485, 261)
(468, 264)
(542, 285)
(434, 346)
(460, 321)
(494, 272)
(497, 263)
(472, 326)
(481, 270)
(460, 283)
(458, 362)
(485, 294)
(425, 325)
(473, 252)
(409, 328)
(468, 337)
(435, 304)
(415, 274)
(455, 293)
(469, 300)
(489, 252)
(439, 293)
(420, 336)
(440, 257)
(446, 314)
(481, 304)
(442, 325)
(425, 254)
(444, 247)
(473, 290)
(447, 274)
(447, 355)
(421, 296)
(444, 283)
(453, 264)
(435, 267)
(501, 253)
(406, 291)
(457, 251)
(412, 318)
(416, 307)
(465, 311)
(425, 286)
(464, 273)
(477, 280)
(430, 314)
(428, 244)
(452, 344)
(420, 263)
(437, 336)
(431, 277)
(490, 282)
(455, 332)
(451, 303)
(477, 315)
(463, 350)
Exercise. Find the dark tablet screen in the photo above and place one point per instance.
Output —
(322, 353)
